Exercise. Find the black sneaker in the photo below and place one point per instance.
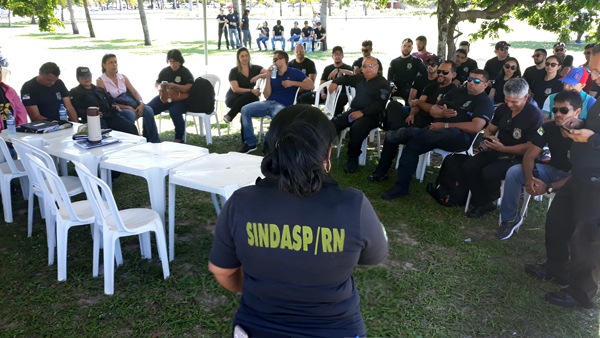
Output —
(351, 166)
(393, 193)
(376, 178)
(246, 149)
(508, 228)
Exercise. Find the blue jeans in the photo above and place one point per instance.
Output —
(232, 33)
(127, 115)
(293, 39)
(247, 38)
(514, 182)
(278, 38)
(176, 110)
(257, 109)
(308, 43)
(264, 41)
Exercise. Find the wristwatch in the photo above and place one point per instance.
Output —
(447, 125)
(549, 189)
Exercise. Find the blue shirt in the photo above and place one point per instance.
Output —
(279, 93)
(588, 102)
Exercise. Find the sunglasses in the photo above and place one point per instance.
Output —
(504, 48)
(587, 53)
(513, 67)
(365, 50)
(369, 65)
(537, 55)
(277, 59)
(431, 64)
(562, 110)
(551, 64)
(477, 81)
(445, 72)
(559, 50)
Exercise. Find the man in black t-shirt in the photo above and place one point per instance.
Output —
(222, 19)
(278, 31)
(423, 80)
(304, 64)
(306, 36)
(320, 35)
(541, 177)
(458, 117)
(494, 65)
(404, 69)
(295, 35)
(464, 66)
(560, 50)
(233, 20)
(367, 48)
(372, 94)
(43, 95)
(537, 71)
(514, 123)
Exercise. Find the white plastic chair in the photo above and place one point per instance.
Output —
(330, 101)
(204, 118)
(114, 224)
(62, 213)
(8, 171)
(6, 73)
(72, 183)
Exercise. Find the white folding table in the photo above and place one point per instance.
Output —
(220, 174)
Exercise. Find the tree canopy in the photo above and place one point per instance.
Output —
(42, 9)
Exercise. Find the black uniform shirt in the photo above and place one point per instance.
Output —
(221, 17)
(47, 99)
(403, 71)
(532, 73)
(296, 31)
(234, 20)
(307, 31)
(319, 33)
(585, 156)
(463, 71)
(467, 106)
(181, 77)
(298, 254)
(331, 68)
(568, 61)
(245, 23)
(541, 89)
(435, 93)
(371, 96)
(307, 66)
(422, 81)
(549, 133)
(277, 30)
(265, 31)
(493, 66)
(517, 130)
(83, 98)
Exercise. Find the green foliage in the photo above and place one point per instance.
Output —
(43, 9)
(491, 28)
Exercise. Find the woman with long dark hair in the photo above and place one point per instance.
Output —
(511, 69)
(543, 87)
(289, 244)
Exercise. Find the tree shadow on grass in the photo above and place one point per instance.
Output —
(547, 45)
(55, 36)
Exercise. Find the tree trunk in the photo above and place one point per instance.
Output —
(147, 41)
(244, 4)
(451, 42)
(300, 8)
(365, 4)
(280, 8)
(329, 6)
(72, 14)
(9, 23)
(89, 19)
(33, 20)
(340, 5)
(191, 4)
(443, 13)
(62, 14)
(324, 14)
(236, 6)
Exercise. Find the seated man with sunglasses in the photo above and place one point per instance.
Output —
(538, 70)
(540, 178)
(418, 117)
(514, 123)
(372, 94)
(560, 50)
(458, 117)
(423, 80)
(574, 81)
(279, 93)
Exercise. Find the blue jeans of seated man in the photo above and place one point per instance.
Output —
(257, 109)
(278, 38)
(127, 115)
(308, 43)
(514, 182)
(176, 110)
(232, 33)
(264, 41)
(293, 39)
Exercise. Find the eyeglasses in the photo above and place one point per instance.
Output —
(559, 50)
(562, 110)
(595, 73)
(338, 54)
(587, 53)
(537, 55)
(513, 67)
(365, 50)
(551, 64)
(477, 81)
(445, 72)
(369, 65)
(431, 64)
(277, 59)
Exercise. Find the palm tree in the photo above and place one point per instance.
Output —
(72, 14)
(147, 41)
(88, 18)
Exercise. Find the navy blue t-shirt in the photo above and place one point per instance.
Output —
(467, 106)
(297, 255)
(283, 95)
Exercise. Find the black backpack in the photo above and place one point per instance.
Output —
(450, 189)
(202, 97)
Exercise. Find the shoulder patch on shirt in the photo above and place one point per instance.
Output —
(541, 131)
(25, 97)
(384, 94)
(409, 66)
(466, 104)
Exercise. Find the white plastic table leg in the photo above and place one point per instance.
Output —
(172, 188)
(216, 203)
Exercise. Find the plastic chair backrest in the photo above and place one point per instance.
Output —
(296, 96)
(318, 91)
(6, 73)
(260, 84)
(23, 149)
(351, 93)
(92, 185)
(53, 188)
(8, 157)
(215, 81)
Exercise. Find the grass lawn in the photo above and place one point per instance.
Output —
(434, 284)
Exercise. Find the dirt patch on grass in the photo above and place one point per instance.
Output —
(401, 236)
(209, 302)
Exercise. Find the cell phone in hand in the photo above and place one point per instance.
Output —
(488, 139)
(449, 105)
(565, 128)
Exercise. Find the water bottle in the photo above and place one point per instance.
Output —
(10, 124)
(274, 72)
(63, 113)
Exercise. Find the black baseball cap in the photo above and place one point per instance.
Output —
(502, 44)
(435, 59)
(83, 72)
(559, 44)
(336, 49)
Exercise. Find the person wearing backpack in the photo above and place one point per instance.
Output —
(514, 122)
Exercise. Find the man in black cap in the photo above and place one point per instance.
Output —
(560, 50)
(404, 69)
(464, 65)
(494, 65)
(88, 95)
(538, 70)
(295, 34)
(422, 80)
(320, 35)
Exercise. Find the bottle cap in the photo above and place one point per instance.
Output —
(93, 111)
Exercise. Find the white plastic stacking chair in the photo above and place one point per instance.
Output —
(6, 75)
(204, 118)
(330, 101)
(8, 171)
(113, 224)
(260, 132)
(527, 197)
(72, 183)
(62, 213)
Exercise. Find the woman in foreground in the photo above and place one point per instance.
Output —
(289, 244)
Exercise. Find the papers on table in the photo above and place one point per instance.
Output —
(106, 140)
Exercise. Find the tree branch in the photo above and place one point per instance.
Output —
(493, 11)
